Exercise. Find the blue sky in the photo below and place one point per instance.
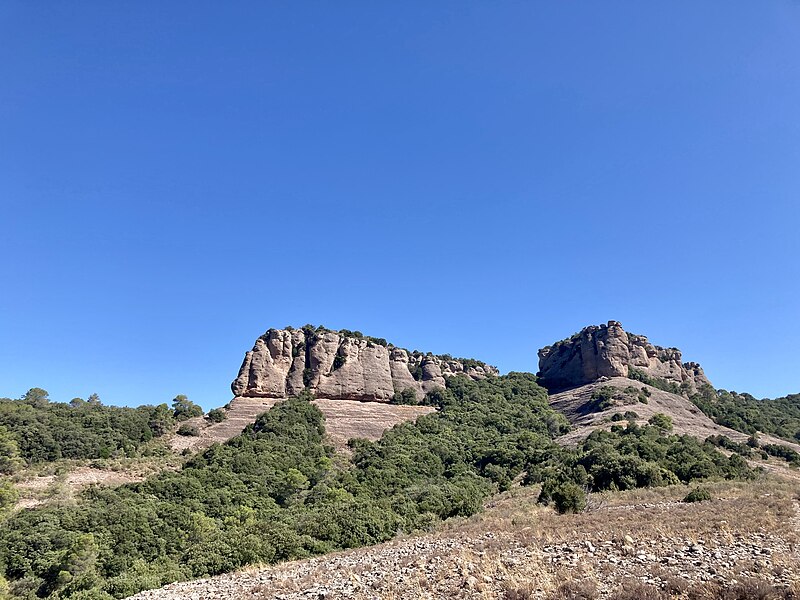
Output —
(477, 178)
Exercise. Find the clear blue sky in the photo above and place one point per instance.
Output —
(477, 178)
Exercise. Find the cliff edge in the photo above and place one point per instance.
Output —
(343, 365)
(609, 351)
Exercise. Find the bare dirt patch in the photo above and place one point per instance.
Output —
(63, 488)
(344, 419)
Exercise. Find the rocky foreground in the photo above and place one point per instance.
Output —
(645, 544)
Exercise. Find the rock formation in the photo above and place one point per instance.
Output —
(343, 365)
(608, 351)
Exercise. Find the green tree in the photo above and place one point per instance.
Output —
(9, 453)
(216, 415)
(8, 497)
(36, 397)
(569, 497)
(160, 420)
(407, 396)
(184, 409)
(661, 421)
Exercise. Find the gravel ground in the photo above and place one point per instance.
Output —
(593, 552)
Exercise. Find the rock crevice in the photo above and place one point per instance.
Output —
(343, 365)
(609, 351)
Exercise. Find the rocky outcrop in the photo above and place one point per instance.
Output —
(609, 351)
(343, 365)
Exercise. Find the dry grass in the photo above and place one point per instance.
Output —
(737, 508)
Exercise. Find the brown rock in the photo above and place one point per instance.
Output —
(342, 365)
(609, 351)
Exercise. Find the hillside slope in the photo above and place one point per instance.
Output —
(344, 419)
(744, 544)
(586, 412)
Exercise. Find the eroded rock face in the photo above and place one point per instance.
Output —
(609, 351)
(330, 364)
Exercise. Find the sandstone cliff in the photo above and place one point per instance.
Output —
(609, 351)
(343, 365)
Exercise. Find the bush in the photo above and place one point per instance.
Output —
(216, 415)
(188, 430)
(698, 494)
(784, 452)
(8, 497)
(604, 397)
(34, 430)
(407, 396)
(661, 421)
(184, 409)
(569, 497)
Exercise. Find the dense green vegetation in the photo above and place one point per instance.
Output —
(632, 457)
(743, 412)
(33, 429)
(278, 492)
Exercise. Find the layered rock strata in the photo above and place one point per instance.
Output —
(343, 365)
(609, 351)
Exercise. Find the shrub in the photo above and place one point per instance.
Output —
(698, 494)
(184, 409)
(784, 452)
(216, 415)
(407, 396)
(8, 497)
(661, 421)
(188, 430)
(569, 497)
(604, 397)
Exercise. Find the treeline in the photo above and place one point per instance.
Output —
(779, 417)
(276, 493)
(33, 429)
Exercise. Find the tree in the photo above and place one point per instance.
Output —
(8, 497)
(9, 453)
(184, 409)
(161, 420)
(661, 421)
(569, 497)
(94, 400)
(37, 397)
(77, 402)
(216, 415)
(407, 396)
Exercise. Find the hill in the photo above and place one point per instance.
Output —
(604, 376)
(742, 544)
(290, 483)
